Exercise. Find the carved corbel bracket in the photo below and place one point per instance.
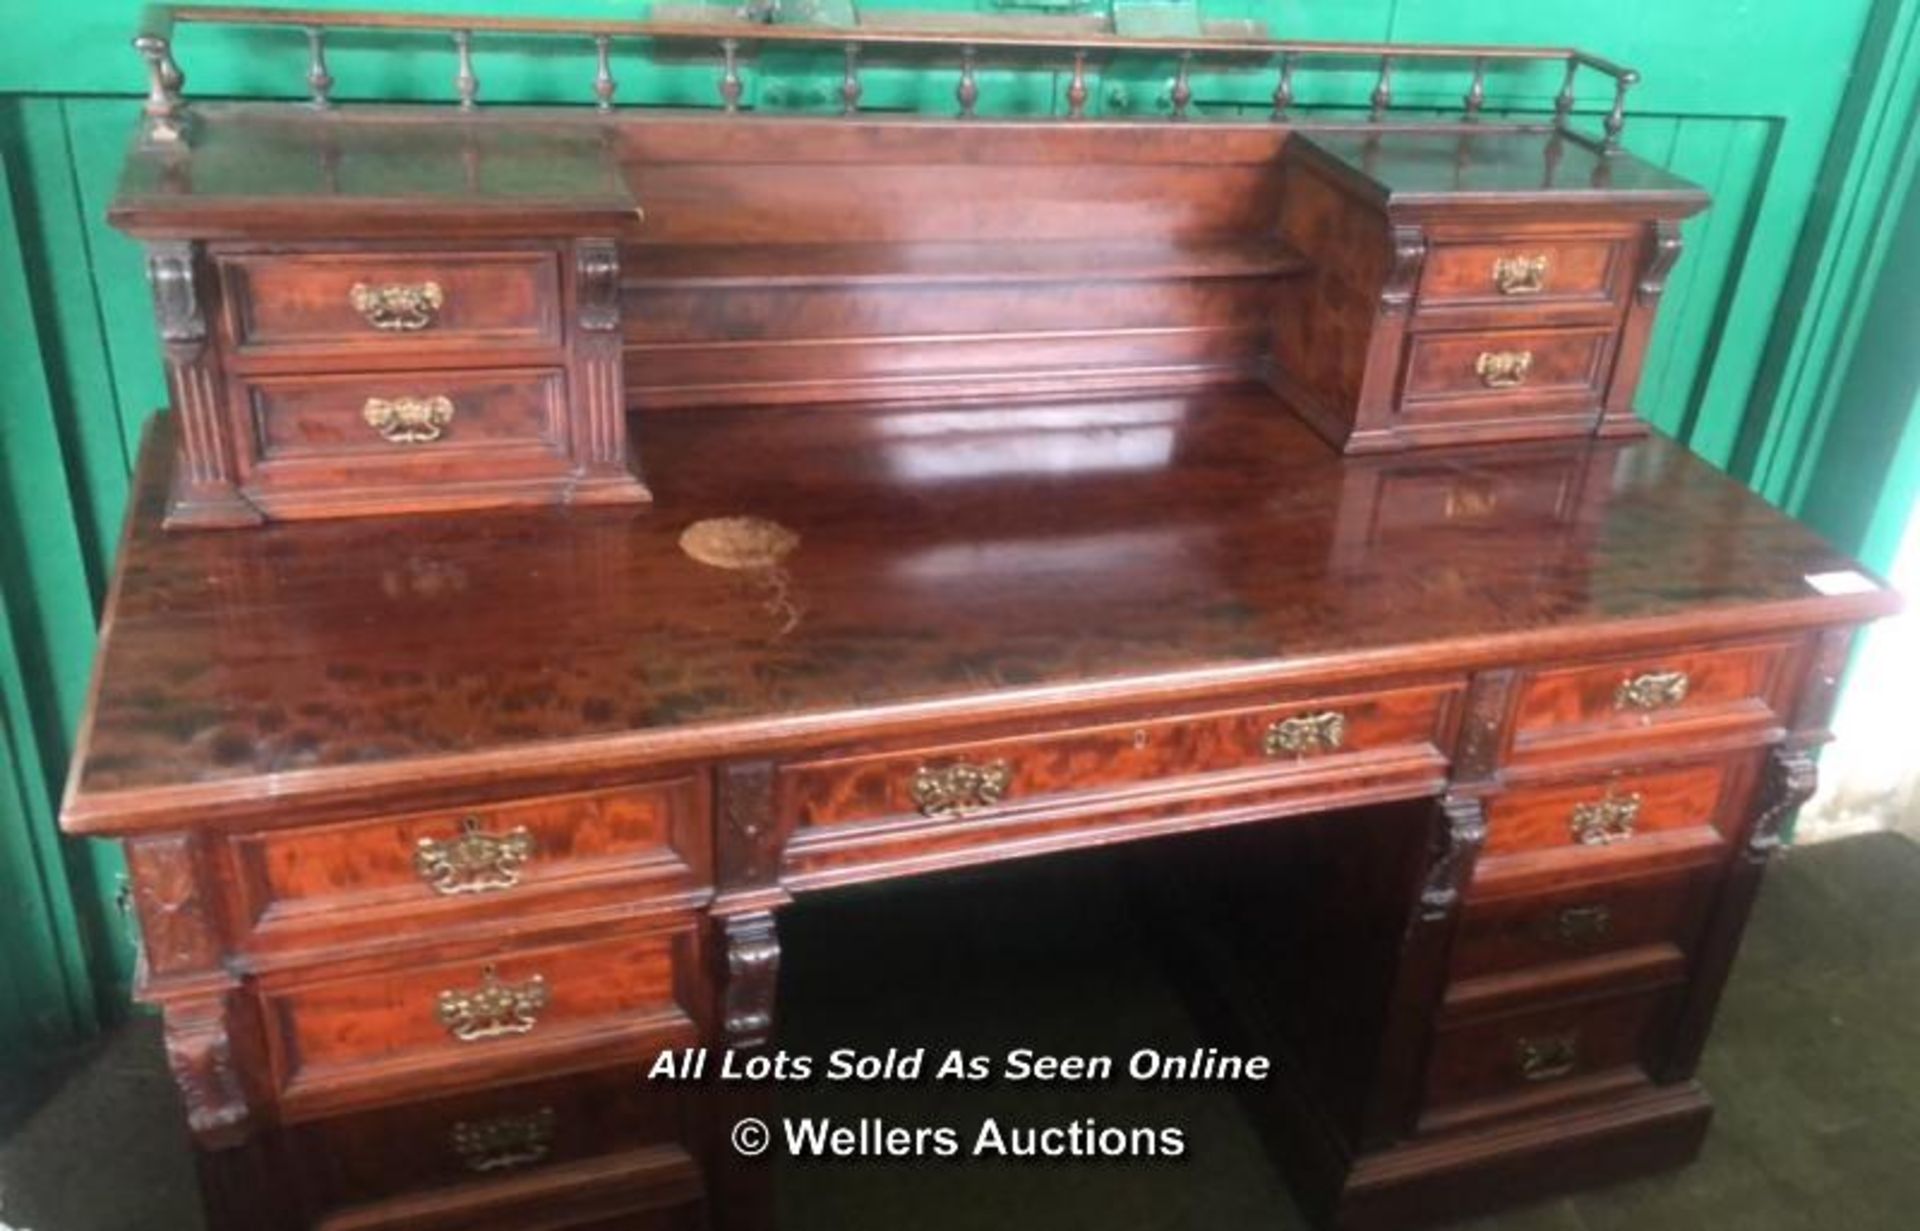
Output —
(751, 946)
(178, 307)
(1788, 780)
(200, 1043)
(1409, 254)
(1457, 848)
(596, 271)
(1663, 250)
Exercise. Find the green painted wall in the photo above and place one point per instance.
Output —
(1781, 353)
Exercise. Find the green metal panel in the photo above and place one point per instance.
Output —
(46, 636)
(1797, 116)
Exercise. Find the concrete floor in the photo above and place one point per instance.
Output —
(1815, 1064)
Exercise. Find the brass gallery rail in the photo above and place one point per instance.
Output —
(166, 107)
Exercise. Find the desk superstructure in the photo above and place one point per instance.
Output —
(1107, 480)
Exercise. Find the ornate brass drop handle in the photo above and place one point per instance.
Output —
(960, 787)
(1503, 369)
(494, 1009)
(1306, 734)
(503, 1142)
(1582, 925)
(473, 861)
(1520, 275)
(397, 307)
(408, 421)
(1605, 821)
(1545, 1057)
(1652, 690)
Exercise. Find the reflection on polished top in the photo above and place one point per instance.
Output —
(947, 557)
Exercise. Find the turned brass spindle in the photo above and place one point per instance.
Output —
(730, 87)
(1077, 88)
(1182, 87)
(1283, 92)
(319, 80)
(603, 83)
(464, 80)
(850, 82)
(1616, 121)
(968, 91)
(1477, 92)
(165, 109)
(1383, 89)
(1563, 102)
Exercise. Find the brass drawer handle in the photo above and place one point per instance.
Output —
(1545, 1057)
(1652, 690)
(473, 861)
(1304, 734)
(494, 1009)
(959, 788)
(1582, 925)
(503, 1142)
(408, 421)
(397, 307)
(1503, 369)
(1607, 820)
(1520, 275)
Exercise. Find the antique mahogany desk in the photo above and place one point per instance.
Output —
(637, 519)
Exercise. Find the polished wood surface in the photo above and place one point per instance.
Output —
(1190, 527)
(262, 170)
(1421, 166)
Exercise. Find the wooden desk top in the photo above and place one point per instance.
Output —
(260, 168)
(1416, 166)
(952, 561)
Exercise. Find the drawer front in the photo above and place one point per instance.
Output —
(1524, 276)
(479, 1137)
(1534, 1050)
(335, 301)
(1501, 935)
(963, 780)
(400, 423)
(1591, 818)
(654, 1189)
(1622, 696)
(1506, 372)
(486, 1015)
(440, 868)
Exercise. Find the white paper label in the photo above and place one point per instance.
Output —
(1844, 581)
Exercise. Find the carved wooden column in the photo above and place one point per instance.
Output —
(1373, 409)
(608, 472)
(1787, 780)
(749, 841)
(204, 482)
(1459, 831)
(205, 1016)
(1660, 248)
